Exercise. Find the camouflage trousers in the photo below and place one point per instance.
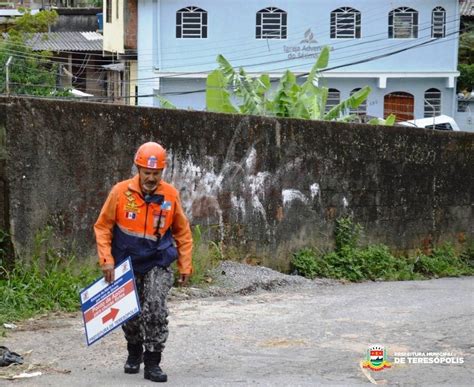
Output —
(150, 327)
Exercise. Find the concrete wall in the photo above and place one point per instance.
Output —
(76, 19)
(114, 31)
(261, 185)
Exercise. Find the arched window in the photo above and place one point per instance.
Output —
(401, 104)
(334, 97)
(432, 103)
(271, 24)
(345, 23)
(438, 23)
(191, 22)
(403, 23)
(362, 109)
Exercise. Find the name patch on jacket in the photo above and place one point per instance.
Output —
(161, 219)
(166, 206)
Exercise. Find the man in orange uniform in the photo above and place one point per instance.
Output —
(142, 218)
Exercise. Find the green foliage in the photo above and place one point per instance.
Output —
(226, 85)
(217, 97)
(376, 262)
(291, 99)
(95, 3)
(466, 44)
(206, 256)
(466, 78)
(346, 233)
(164, 103)
(389, 121)
(443, 262)
(51, 281)
(304, 262)
(31, 73)
(467, 256)
(28, 23)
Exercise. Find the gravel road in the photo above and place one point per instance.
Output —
(269, 329)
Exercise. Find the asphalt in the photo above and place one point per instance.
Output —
(294, 336)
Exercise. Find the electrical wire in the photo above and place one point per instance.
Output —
(260, 55)
(333, 60)
(373, 58)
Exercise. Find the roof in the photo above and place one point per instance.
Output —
(66, 41)
(14, 12)
(467, 8)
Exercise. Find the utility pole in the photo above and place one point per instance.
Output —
(7, 74)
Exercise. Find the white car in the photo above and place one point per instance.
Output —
(442, 122)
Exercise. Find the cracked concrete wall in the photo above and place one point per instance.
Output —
(262, 186)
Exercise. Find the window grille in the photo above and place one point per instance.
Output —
(432, 103)
(403, 23)
(438, 23)
(271, 24)
(345, 23)
(191, 22)
(361, 110)
(334, 97)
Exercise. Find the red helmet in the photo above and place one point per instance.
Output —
(151, 155)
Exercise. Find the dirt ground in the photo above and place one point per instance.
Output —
(311, 335)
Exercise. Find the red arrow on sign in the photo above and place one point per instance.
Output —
(111, 315)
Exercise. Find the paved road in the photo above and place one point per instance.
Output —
(297, 336)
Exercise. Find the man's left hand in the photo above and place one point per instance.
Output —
(183, 279)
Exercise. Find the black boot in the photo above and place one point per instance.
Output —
(135, 357)
(153, 371)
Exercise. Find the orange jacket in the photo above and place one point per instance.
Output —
(144, 228)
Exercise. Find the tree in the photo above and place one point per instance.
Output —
(466, 44)
(31, 73)
(466, 79)
(466, 58)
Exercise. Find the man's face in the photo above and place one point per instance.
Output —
(149, 179)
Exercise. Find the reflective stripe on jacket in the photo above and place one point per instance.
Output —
(145, 230)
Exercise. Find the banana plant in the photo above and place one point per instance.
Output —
(291, 99)
(252, 92)
(217, 96)
(389, 121)
(225, 86)
(164, 103)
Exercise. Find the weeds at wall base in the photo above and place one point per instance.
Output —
(377, 263)
(50, 281)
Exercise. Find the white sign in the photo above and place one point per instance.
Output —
(107, 306)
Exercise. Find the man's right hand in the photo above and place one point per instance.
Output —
(109, 273)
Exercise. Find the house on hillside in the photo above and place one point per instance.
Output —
(406, 51)
(79, 55)
(120, 41)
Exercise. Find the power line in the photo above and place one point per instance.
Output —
(142, 80)
(236, 59)
(373, 58)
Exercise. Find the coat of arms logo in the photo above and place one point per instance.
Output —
(376, 358)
